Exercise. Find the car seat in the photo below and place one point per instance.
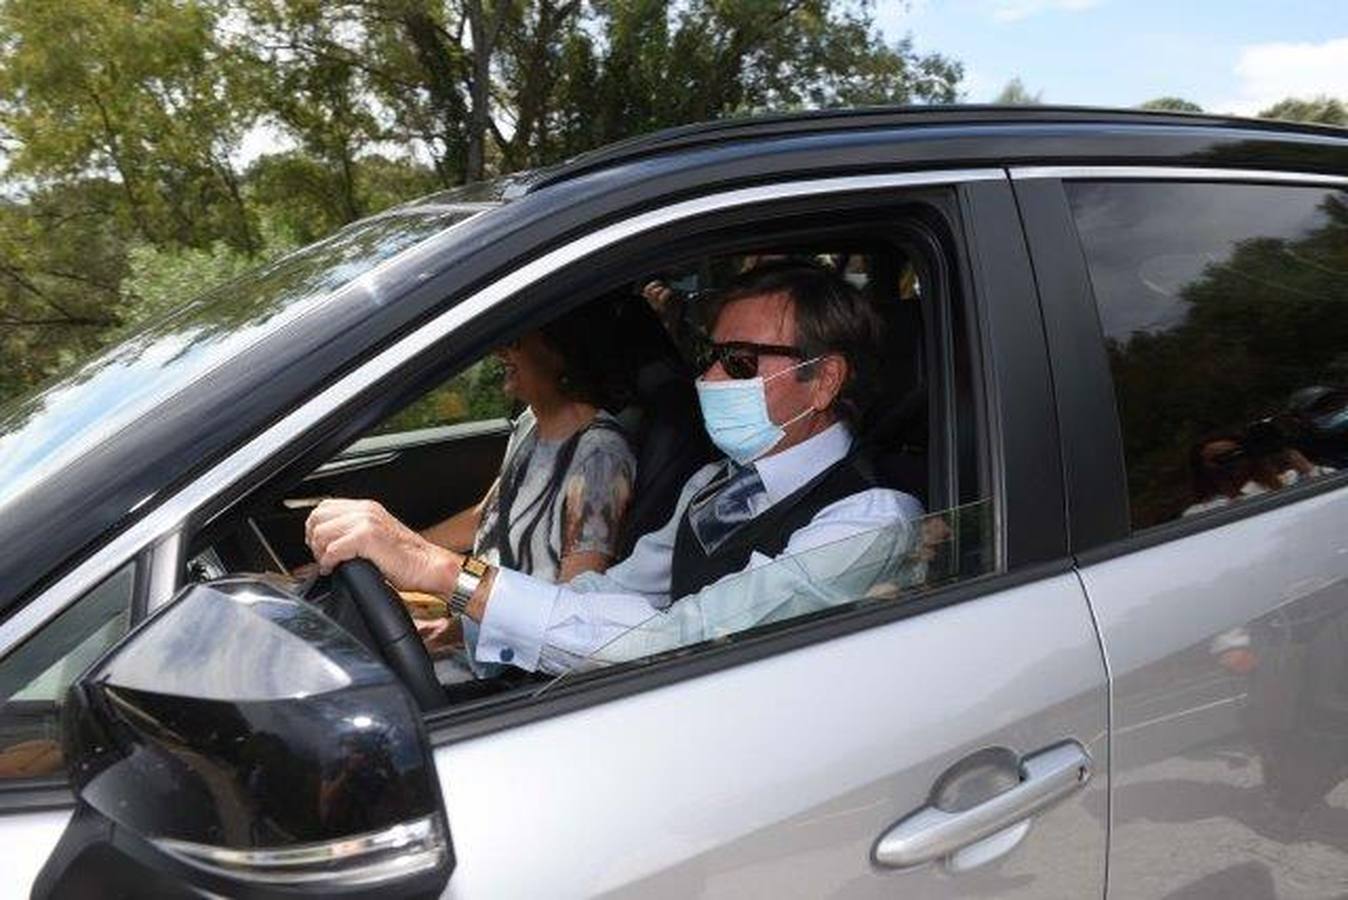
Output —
(670, 440)
(895, 429)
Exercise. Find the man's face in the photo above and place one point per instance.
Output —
(770, 319)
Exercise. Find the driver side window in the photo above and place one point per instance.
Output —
(451, 465)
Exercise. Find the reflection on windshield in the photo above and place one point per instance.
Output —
(42, 432)
(876, 566)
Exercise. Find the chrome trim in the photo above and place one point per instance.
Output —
(266, 545)
(165, 562)
(1174, 173)
(404, 849)
(353, 464)
(174, 511)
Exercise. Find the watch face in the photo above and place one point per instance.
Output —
(474, 566)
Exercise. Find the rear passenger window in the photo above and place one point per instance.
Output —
(1225, 314)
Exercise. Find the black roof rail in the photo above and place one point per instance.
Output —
(801, 123)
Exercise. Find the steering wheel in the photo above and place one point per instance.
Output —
(392, 629)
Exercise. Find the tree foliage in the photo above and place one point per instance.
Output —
(1171, 104)
(1015, 94)
(123, 123)
(1320, 110)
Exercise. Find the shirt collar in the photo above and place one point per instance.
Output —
(785, 472)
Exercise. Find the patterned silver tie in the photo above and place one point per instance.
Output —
(724, 505)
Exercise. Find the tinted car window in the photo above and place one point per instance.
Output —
(1225, 314)
(34, 678)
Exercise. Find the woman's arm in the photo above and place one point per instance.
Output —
(458, 532)
(583, 561)
(595, 500)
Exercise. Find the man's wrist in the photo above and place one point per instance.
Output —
(446, 572)
(467, 595)
(477, 605)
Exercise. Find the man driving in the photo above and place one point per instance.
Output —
(786, 379)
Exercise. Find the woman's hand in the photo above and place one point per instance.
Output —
(338, 530)
(441, 636)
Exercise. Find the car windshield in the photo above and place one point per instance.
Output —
(43, 431)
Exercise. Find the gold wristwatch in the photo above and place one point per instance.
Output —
(471, 573)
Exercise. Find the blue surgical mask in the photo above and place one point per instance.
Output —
(736, 415)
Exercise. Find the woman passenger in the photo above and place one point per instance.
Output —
(557, 508)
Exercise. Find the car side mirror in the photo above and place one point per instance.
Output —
(240, 743)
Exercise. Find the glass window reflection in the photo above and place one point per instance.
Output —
(1225, 314)
(34, 678)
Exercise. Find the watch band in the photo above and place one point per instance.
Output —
(471, 572)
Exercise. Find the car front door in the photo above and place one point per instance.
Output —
(1210, 511)
(781, 764)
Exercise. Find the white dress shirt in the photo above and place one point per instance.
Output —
(626, 612)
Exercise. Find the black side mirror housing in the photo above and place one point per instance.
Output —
(241, 744)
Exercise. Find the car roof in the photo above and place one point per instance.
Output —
(124, 475)
(758, 127)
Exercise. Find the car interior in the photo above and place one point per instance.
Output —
(922, 432)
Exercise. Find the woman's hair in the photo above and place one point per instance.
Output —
(595, 369)
(599, 368)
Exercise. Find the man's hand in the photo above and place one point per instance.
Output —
(338, 530)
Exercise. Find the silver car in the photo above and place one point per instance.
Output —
(1110, 659)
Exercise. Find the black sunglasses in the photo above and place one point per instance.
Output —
(740, 358)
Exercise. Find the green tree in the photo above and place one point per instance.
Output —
(134, 91)
(121, 123)
(313, 93)
(634, 66)
(1015, 94)
(1321, 110)
(1171, 104)
(62, 259)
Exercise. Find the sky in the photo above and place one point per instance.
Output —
(1228, 56)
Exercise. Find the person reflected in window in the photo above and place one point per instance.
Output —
(1228, 467)
(557, 508)
(786, 377)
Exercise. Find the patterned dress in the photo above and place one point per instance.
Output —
(555, 498)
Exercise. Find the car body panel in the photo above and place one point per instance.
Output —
(1231, 774)
(29, 838)
(777, 778)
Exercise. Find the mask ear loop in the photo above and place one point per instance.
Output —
(803, 363)
(807, 410)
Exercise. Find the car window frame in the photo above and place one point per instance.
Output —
(1094, 469)
(53, 791)
(1015, 357)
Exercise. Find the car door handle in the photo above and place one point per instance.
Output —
(931, 833)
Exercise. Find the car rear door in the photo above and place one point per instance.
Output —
(1200, 314)
(780, 764)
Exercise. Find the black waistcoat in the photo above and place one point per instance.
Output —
(769, 532)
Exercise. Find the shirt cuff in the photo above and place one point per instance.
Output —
(515, 623)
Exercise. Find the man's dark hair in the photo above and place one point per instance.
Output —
(832, 316)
